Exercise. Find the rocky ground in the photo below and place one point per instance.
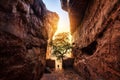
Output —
(67, 74)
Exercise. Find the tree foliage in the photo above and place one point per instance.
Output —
(61, 45)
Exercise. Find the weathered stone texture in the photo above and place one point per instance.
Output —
(97, 39)
(51, 29)
(23, 38)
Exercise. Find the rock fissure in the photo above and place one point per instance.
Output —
(26, 28)
(90, 49)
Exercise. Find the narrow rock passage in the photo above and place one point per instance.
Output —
(67, 74)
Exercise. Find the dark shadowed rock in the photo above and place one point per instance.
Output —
(23, 38)
(95, 27)
(68, 63)
(50, 63)
(64, 5)
(16, 63)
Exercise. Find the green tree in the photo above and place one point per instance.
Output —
(61, 45)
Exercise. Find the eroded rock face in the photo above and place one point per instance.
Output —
(23, 39)
(96, 38)
(76, 10)
(16, 63)
(51, 29)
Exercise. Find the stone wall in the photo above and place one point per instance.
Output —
(68, 63)
(51, 29)
(95, 27)
(50, 63)
(23, 38)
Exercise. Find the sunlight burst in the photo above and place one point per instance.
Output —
(63, 25)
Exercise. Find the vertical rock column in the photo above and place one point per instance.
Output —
(96, 33)
(23, 39)
(52, 22)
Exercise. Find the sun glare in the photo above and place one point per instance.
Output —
(63, 24)
(55, 6)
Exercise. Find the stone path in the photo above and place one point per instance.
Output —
(68, 74)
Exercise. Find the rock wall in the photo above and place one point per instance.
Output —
(51, 29)
(95, 27)
(23, 38)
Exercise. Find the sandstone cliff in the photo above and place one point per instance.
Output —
(51, 29)
(95, 27)
(23, 38)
